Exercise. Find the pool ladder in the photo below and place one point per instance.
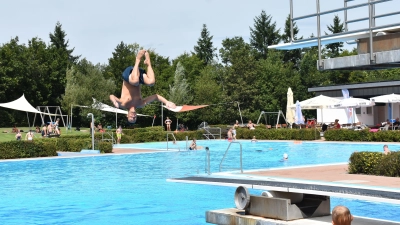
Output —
(241, 167)
(174, 140)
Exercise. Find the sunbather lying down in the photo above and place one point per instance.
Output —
(131, 96)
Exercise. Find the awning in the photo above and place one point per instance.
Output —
(186, 108)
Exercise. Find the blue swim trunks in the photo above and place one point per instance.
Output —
(128, 71)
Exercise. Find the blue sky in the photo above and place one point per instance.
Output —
(171, 27)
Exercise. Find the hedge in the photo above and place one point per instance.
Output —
(375, 163)
(362, 135)
(48, 147)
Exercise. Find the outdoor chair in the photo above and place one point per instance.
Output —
(386, 127)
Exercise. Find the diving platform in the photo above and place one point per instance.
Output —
(281, 205)
(378, 47)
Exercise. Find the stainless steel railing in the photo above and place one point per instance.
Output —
(241, 166)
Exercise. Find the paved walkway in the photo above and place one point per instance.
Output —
(334, 173)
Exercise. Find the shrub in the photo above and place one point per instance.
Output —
(375, 163)
(105, 147)
(362, 135)
(364, 162)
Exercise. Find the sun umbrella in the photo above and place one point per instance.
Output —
(289, 111)
(353, 103)
(391, 98)
(299, 115)
(319, 102)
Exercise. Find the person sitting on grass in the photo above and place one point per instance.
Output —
(18, 136)
(29, 136)
(341, 216)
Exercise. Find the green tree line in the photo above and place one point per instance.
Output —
(242, 73)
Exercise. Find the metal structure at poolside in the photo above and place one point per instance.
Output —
(378, 46)
(290, 188)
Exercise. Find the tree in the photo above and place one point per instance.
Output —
(239, 74)
(85, 81)
(62, 59)
(180, 92)
(204, 49)
(263, 34)
(57, 40)
(293, 56)
(334, 49)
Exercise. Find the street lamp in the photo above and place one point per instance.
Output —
(92, 128)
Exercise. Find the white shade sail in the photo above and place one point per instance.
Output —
(20, 104)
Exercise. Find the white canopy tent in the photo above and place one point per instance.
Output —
(21, 104)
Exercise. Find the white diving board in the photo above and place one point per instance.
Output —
(329, 40)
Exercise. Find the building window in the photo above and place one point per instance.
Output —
(369, 110)
(358, 111)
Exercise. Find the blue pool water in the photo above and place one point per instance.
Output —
(132, 189)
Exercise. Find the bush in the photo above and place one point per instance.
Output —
(278, 134)
(26, 149)
(105, 147)
(362, 135)
(375, 163)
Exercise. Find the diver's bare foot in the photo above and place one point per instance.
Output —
(147, 60)
(140, 54)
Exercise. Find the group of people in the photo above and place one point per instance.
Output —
(51, 129)
(28, 137)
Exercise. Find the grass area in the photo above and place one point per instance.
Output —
(6, 135)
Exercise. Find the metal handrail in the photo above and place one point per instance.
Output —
(241, 166)
(106, 139)
(174, 140)
(207, 133)
(208, 164)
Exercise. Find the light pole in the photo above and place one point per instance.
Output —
(240, 113)
(92, 128)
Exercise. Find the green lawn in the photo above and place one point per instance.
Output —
(11, 136)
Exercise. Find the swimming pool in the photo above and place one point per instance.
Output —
(132, 189)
